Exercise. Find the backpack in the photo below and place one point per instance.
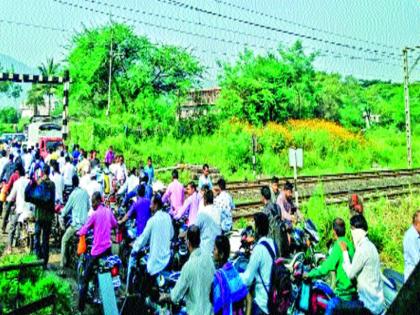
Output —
(278, 230)
(279, 292)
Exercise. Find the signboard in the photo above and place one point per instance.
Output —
(296, 157)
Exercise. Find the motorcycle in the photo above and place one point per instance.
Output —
(105, 281)
(308, 296)
(179, 247)
(302, 245)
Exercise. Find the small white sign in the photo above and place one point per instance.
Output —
(296, 158)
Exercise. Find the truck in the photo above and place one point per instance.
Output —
(44, 131)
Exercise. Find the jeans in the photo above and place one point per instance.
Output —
(89, 273)
(13, 228)
(67, 238)
(42, 247)
(338, 306)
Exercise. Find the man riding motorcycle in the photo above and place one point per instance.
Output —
(102, 221)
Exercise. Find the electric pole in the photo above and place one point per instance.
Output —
(407, 107)
(110, 73)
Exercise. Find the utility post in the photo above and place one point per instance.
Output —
(110, 72)
(407, 106)
(254, 153)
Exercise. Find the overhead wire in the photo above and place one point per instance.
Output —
(276, 29)
(328, 52)
(312, 28)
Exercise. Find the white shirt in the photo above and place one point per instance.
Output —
(411, 251)
(18, 194)
(129, 185)
(158, 233)
(58, 180)
(3, 162)
(84, 181)
(212, 211)
(92, 187)
(367, 268)
(260, 261)
(27, 161)
(61, 162)
(68, 172)
(121, 172)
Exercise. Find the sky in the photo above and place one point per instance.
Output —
(383, 25)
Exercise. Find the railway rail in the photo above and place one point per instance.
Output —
(247, 209)
(305, 180)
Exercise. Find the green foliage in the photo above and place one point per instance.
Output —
(34, 284)
(9, 115)
(141, 71)
(387, 221)
(275, 87)
(10, 89)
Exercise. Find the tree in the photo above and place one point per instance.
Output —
(10, 89)
(9, 115)
(274, 87)
(139, 68)
(35, 97)
(49, 69)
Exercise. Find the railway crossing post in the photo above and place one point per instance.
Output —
(254, 152)
(407, 106)
(295, 161)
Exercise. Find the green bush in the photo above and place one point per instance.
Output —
(34, 284)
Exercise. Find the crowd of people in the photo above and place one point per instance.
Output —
(208, 281)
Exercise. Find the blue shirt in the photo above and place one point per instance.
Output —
(150, 171)
(141, 208)
(411, 251)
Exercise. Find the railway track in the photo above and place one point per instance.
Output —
(247, 209)
(305, 180)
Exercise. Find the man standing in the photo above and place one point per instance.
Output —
(208, 221)
(150, 171)
(366, 267)
(344, 289)
(44, 214)
(278, 229)
(175, 194)
(195, 282)
(274, 189)
(78, 205)
(109, 156)
(22, 207)
(190, 205)
(205, 178)
(68, 172)
(412, 246)
(140, 209)
(224, 202)
(260, 264)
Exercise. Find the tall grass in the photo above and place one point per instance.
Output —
(327, 146)
(387, 220)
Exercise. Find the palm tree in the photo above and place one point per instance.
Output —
(35, 97)
(49, 69)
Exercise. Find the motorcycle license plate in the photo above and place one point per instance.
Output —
(116, 281)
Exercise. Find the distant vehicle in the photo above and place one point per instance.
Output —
(49, 143)
(20, 137)
(42, 127)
